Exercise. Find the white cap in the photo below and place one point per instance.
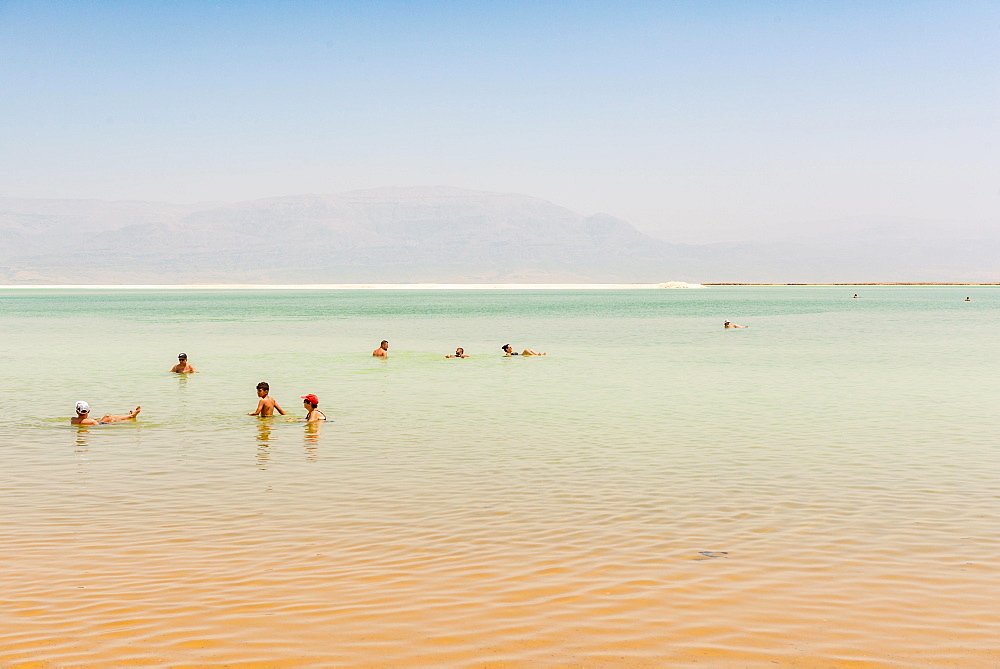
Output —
(82, 407)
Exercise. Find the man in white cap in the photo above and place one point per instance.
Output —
(83, 415)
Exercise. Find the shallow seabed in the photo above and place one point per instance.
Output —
(820, 489)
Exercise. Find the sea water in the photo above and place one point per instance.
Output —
(820, 487)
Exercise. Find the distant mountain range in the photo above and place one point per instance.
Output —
(443, 235)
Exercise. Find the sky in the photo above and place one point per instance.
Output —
(694, 121)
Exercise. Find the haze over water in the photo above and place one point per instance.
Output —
(819, 489)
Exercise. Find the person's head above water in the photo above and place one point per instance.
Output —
(311, 400)
(182, 357)
(262, 387)
(459, 351)
(505, 347)
(82, 407)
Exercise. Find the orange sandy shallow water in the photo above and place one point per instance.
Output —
(503, 591)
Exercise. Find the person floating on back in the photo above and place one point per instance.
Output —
(382, 351)
(508, 351)
(313, 414)
(83, 416)
(183, 366)
(734, 325)
(266, 406)
(968, 299)
(459, 353)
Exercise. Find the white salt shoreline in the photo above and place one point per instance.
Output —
(369, 286)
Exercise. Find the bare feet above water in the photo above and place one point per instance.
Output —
(115, 419)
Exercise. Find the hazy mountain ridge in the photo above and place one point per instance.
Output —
(422, 235)
(437, 234)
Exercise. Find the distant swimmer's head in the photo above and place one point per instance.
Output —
(182, 357)
(727, 322)
(310, 399)
(262, 387)
(384, 345)
(505, 347)
(82, 407)
(459, 351)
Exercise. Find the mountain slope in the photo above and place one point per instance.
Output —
(438, 234)
(435, 235)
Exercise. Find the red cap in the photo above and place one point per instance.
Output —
(312, 399)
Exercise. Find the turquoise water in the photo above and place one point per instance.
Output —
(854, 438)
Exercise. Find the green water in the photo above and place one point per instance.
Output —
(898, 372)
(830, 422)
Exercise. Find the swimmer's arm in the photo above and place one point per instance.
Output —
(278, 408)
(260, 407)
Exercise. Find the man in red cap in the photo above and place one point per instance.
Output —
(311, 402)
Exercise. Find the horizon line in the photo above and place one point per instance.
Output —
(471, 286)
(367, 286)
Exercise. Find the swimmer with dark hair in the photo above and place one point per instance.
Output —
(508, 351)
(459, 353)
(266, 406)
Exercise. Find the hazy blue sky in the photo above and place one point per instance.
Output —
(698, 121)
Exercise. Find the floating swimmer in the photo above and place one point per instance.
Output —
(734, 325)
(83, 416)
(508, 351)
(459, 353)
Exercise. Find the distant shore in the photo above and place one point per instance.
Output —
(886, 283)
(373, 286)
(453, 286)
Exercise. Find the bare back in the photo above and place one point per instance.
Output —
(268, 406)
(83, 420)
(315, 416)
